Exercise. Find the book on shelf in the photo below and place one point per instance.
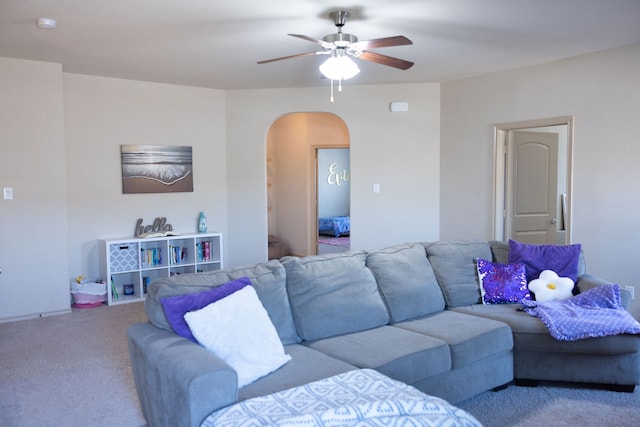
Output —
(157, 234)
(114, 291)
(178, 254)
(151, 257)
(204, 250)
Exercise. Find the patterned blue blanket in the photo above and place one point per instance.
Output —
(597, 312)
(335, 225)
(361, 397)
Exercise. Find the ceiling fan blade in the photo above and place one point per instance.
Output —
(322, 43)
(385, 60)
(266, 61)
(383, 42)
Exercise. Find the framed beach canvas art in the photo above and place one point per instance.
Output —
(156, 169)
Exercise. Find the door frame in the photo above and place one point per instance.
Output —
(500, 134)
(313, 192)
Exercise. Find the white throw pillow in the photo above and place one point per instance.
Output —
(238, 330)
(550, 287)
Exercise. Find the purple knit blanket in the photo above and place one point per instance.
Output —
(597, 312)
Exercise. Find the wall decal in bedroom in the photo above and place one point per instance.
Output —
(156, 169)
(336, 176)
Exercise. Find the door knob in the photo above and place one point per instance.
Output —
(553, 221)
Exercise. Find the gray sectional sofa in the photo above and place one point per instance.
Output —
(412, 312)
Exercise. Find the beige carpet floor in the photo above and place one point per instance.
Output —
(69, 370)
(555, 405)
(74, 370)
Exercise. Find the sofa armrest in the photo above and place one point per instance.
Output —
(588, 281)
(178, 381)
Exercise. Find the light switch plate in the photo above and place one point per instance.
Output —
(8, 193)
(397, 106)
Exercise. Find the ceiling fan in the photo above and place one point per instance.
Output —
(341, 46)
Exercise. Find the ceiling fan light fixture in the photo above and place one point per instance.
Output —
(339, 68)
(339, 46)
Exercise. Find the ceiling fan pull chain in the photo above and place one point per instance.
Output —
(340, 85)
(331, 98)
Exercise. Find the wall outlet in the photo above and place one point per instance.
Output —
(631, 290)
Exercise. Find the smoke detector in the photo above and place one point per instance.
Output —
(46, 23)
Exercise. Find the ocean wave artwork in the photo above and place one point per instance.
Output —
(156, 169)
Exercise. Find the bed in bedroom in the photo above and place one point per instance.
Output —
(335, 225)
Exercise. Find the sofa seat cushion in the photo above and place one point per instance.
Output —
(518, 321)
(456, 269)
(268, 279)
(333, 295)
(470, 338)
(529, 333)
(400, 354)
(306, 365)
(407, 281)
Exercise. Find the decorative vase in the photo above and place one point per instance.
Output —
(202, 223)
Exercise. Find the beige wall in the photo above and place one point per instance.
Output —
(602, 92)
(33, 226)
(399, 151)
(65, 169)
(103, 113)
(61, 137)
(61, 133)
(294, 138)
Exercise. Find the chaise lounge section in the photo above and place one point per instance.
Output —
(612, 361)
(412, 312)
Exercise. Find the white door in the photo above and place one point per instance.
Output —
(532, 187)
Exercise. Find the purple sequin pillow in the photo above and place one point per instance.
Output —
(177, 306)
(563, 259)
(502, 283)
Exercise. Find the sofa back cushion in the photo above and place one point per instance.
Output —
(407, 281)
(268, 279)
(455, 266)
(333, 295)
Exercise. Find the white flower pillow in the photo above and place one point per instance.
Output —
(550, 287)
(238, 330)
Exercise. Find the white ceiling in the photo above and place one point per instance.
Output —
(216, 44)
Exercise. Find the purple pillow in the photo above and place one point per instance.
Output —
(502, 283)
(176, 307)
(563, 259)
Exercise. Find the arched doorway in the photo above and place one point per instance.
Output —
(292, 142)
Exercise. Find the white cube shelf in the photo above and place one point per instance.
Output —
(128, 265)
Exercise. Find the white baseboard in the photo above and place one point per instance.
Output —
(34, 316)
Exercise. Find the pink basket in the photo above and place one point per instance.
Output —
(86, 299)
(88, 294)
